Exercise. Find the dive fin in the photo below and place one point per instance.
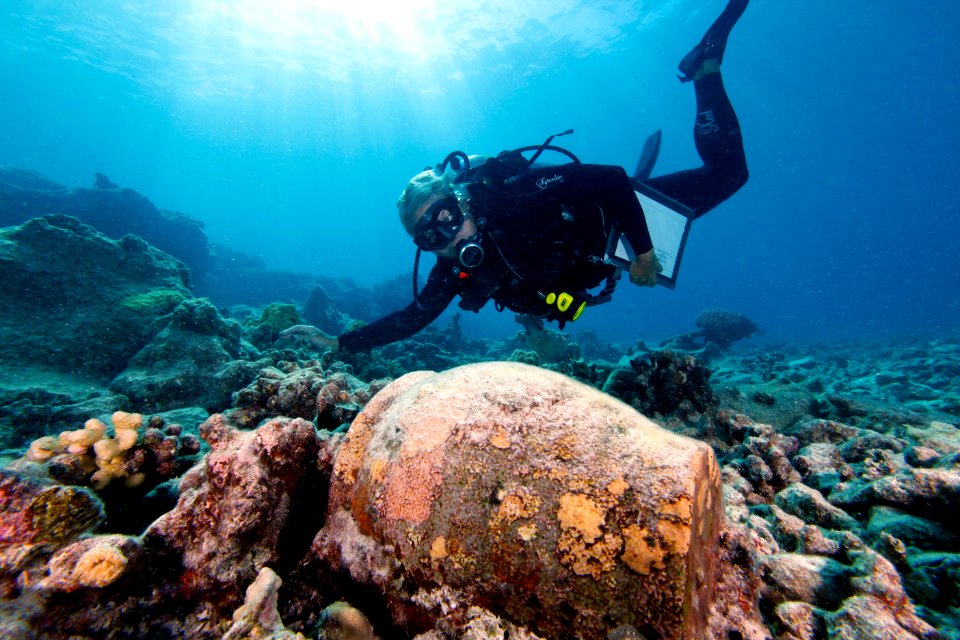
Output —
(648, 157)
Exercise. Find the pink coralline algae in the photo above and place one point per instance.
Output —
(508, 487)
(492, 501)
(235, 508)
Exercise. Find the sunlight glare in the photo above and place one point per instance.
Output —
(383, 27)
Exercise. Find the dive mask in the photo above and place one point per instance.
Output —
(439, 225)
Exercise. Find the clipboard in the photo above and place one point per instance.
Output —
(668, 222)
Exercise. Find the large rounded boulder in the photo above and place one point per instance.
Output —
(524, 492)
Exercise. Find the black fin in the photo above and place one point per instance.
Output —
(648, 157)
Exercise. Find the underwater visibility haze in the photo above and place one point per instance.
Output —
(289, 129)
(194, 192)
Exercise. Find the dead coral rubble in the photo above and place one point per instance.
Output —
(329, 397)
(819, 577)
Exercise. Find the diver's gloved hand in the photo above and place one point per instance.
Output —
(311, 334)
(644, 269)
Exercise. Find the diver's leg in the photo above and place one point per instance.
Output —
(714, 41)
(716, 130)
(719, 142)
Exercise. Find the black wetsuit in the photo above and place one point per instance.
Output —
(546, 230)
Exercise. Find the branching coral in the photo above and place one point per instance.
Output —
(89, 456)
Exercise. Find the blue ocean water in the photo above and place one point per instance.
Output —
(289, 127)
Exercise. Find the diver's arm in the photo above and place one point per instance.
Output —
(611, 189)
(621, 204)
(436, 295)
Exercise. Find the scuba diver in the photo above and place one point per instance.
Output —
(533, 238)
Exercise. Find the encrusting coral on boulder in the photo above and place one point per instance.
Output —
(93, 562)
(504, 486)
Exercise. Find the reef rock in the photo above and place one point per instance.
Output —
(197, 359)
(329, 398)
(112, 211)
(91, 299)
(521, 491)
(76, 307)
(320, 311)
(235, 508)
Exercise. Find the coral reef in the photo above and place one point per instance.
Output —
(453, 499)
(832, 527)
(244, 508)
(663, 383)
(128, 469)
(91, 307)
(196, 359)
(331, 398)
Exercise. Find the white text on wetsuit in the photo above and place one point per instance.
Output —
(543, 183)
